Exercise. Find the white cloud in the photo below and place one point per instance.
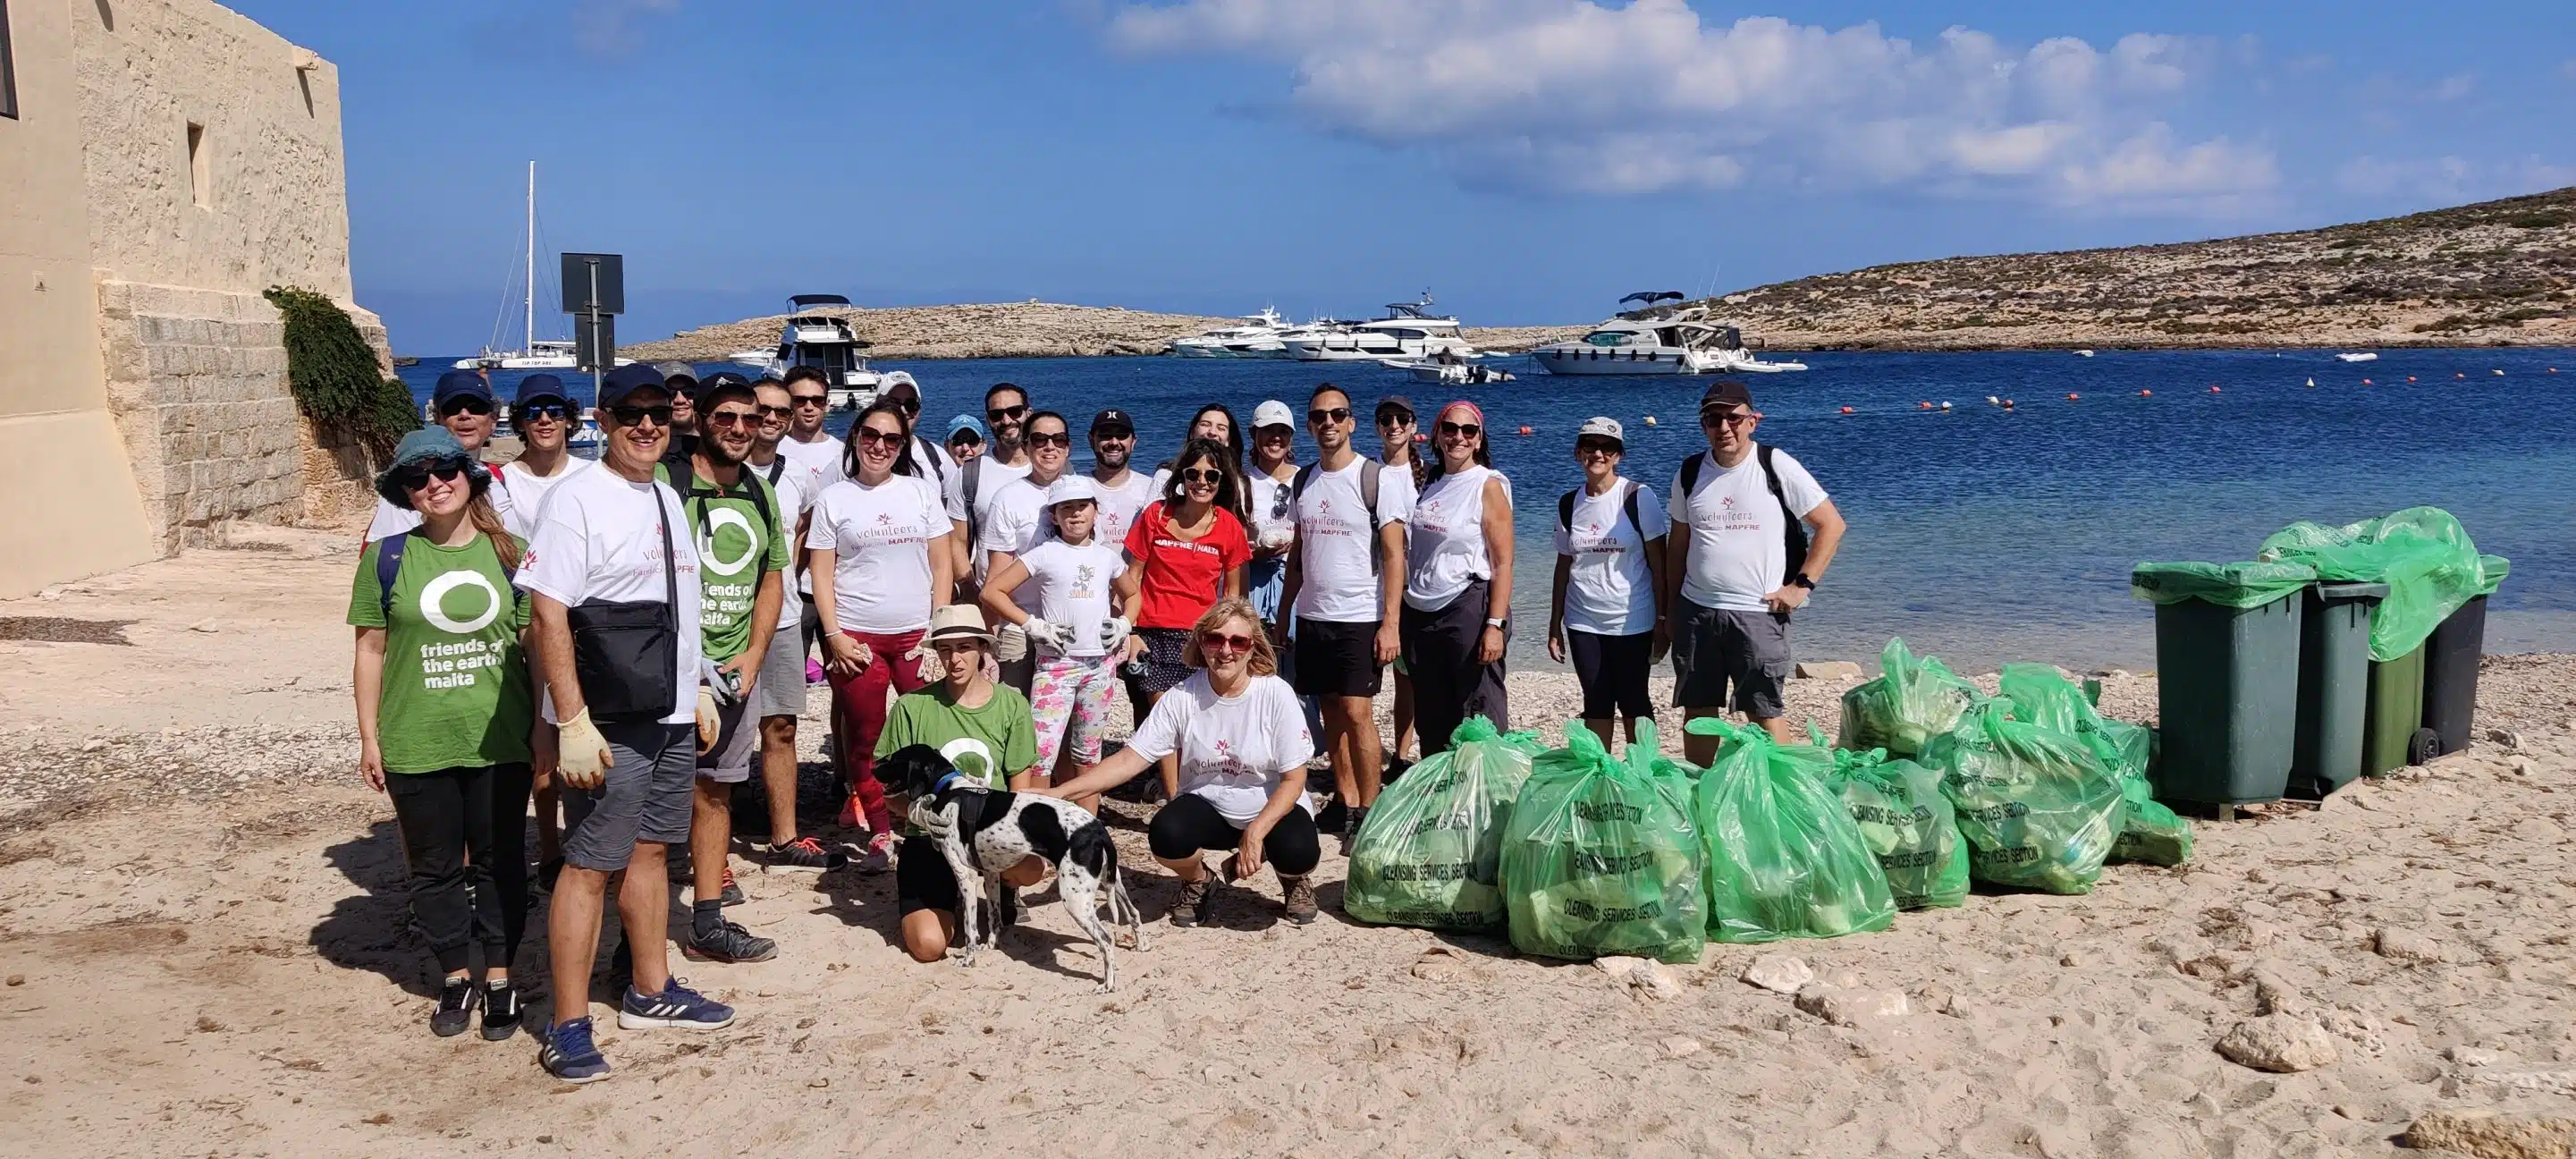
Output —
(607, 27)
(2453, 88)
(1576, 96)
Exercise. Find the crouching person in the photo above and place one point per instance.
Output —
(985, 731)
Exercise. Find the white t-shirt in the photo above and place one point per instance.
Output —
(1335, 544)
(1445, 547)
(599, 540)
(1071, 586)
(1017, 521)
(992, 477)
(391, 519)
(881, 537)
(1610, 589)
(823, 455)
(527, 492)
(1233, 751)
(1738, 552)
(1120, 505)
(798, 485)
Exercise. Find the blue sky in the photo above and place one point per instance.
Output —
(1527, 160)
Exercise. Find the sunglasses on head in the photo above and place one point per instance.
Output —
(1224, 642)
(415, 478)
(468, 405)
(769, 412)
(872, 437)
(1320, 415)
(537, 411)
(1058, 439)
(809, 399)
(1470, 430)
(1005, 413)
(628, 416)
(1207, 475)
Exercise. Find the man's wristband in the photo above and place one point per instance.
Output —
(1801, 580)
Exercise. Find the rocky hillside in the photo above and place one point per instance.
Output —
(1000, 330)
(2498, 272)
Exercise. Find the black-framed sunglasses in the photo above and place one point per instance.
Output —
(965, 439)
(776, 412)
(1728, 420)
(1599, 445)
(810, 399)
(874, 437)
(540, 411)
(415, 478)
(467, 405)
(1470, 430)
(1005, 414)
(1395, 419)
(1320, 415)
(908, 403)
(1058, 439)
(628, 416)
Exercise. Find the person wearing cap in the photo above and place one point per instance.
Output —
(1605, 609)
(1346, 587)
(740, 530)
(1124, 492)
(965, 439)
(1458, 582)
(986, 732)
(607, 567)
(1073, 627)
(464, 402)
(809, 397)
(933, 458)
(970, 492)
(1752, 534)
(681, 379)
(778, 697)
(1398, 447)
(543, 414)
(445, 712)
(1272, 471)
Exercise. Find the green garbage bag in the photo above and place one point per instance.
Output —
(1909, 703)
(1430, 852)
(1784, 857)
(2037, 807)
(2422, 554)
(2491, 572)
(1909, 825)
(2228, 585)
(2149, 832)
(1600, 857)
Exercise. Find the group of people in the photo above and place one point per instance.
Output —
(535, 632)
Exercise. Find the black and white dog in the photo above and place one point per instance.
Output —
(983, 832)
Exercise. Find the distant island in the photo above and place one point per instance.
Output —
(2497, 273)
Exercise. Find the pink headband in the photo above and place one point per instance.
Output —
(1471, 409)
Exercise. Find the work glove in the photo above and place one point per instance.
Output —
(1277, 537)
(1011, 644)
(710, 724)
(1113, 634)
(1050, 637)
(714, 678)
(581, 754)
(926, 665)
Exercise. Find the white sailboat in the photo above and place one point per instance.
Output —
(534, 353)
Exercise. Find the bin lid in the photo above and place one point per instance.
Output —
(2333, 591)
(2228, 585)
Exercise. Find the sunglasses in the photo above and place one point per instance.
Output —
(873, 437)
(810, 399)
(965, 439)
(1597, 446)
(1112, 435)
(457, 406)
(1058, 439)
(1224, 642)
(770, 412)
(538, 412)
(628, 416)
(1470, 430)
(415, 478)
(907, 404)
(1398, 419)
(1319, 417)
(733, 418)
(1727, 420)
(1005, 414)
(1198, 475)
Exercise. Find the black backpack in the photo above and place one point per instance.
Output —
(1627, 503)
(1369, 471)
(1795, 538)
(681, 473)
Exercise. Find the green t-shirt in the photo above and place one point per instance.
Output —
(456, 687)
(987, 744)
(736, 546)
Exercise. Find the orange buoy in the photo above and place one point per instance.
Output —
(1525, 430)
(2410, 378)
(1923, 406)
(2213, 389)
(1419, 437)
(2146, 394)
(2071, 396)
(1847, 410)
(2366, 382)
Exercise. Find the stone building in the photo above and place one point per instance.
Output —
(161, 163)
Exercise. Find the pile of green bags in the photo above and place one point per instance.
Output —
(1600, 856)
(1911, 702)
(2037, 806)
(1784, 858)
(2422, 554)
(1909, 826)
(1430, 853)
(2149, 832)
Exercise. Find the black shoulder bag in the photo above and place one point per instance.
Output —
(626, 653)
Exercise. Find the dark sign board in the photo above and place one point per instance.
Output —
(594, 282)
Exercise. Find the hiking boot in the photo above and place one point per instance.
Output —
(676, 1005)
(879, 855)
(1198, 900)
(567, 1053)
(731, 943)
(456, 1002)
(501, 1010)
(805, 854)
(1299, 897)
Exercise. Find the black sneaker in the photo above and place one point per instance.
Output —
(1351, 822)
(500, 1011)
(806, 854)
(456, 1002)
(731, 943)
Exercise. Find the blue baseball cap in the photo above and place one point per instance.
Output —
(628, 379)
(460, 384)
(537, 386)
(968, 423)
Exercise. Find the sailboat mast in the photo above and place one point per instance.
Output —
(529, 343)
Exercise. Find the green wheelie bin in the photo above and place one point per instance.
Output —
(2227, 677)
(2334, 686)
(2394, 735)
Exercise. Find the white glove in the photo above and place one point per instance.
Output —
(1011, 643)
(928, 670)
(1277, 537)
(1054, 638)
(581, 753)
(713, 678)
(1113, 634)
(710, 723)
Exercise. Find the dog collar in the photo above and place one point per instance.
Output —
(941, 786)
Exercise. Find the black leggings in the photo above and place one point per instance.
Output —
(1449, 683)
(1190, 824)
(1613, 672)
(462, 831)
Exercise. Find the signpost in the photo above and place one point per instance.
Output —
(594, 293)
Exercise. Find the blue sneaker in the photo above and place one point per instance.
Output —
(676, 1005)
(568, 1054)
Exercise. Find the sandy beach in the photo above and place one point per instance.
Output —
(205, 950)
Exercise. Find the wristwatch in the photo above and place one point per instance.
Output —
(1493, 621)
(1802, 581)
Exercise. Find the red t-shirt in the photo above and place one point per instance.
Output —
(1183, 577)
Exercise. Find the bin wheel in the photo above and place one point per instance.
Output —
(2423, 747)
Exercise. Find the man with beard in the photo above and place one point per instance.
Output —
(971, 488)
(734, 518)
(1123, 493)
(809, 394)
(779, 696)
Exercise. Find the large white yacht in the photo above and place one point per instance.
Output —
(827, 343)
(1257, 338)
(1410, 330)
(1649, 340)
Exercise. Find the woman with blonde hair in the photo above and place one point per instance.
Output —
(1242, 746)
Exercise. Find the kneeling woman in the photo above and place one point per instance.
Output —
(1243, 748)
(985, 731)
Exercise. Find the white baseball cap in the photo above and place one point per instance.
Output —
(1605, 427)
(1072, 489)
(1273, 413)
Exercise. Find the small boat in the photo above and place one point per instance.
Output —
(2084, 354)
(2364, 356)
(1450, 373)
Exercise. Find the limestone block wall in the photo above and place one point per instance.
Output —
(196, 380)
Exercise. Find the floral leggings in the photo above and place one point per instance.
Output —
(1070, 699)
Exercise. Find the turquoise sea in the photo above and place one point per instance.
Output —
(1981, 534)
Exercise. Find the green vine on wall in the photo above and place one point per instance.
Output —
(333, 373)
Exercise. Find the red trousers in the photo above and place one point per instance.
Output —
(861, 699)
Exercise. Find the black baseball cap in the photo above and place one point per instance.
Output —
(628, 379)
(1725, 394)
(460, 384)
(537, 386)
(1396, 402)
(722, 382)
(1113, 419)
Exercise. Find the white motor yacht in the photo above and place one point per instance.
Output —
(827, 343)
(1257, 338)
(1408, 331)
(1652, 341)
(2363, 356)
(1450, 373)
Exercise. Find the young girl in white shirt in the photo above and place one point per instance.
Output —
(1075, 635)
